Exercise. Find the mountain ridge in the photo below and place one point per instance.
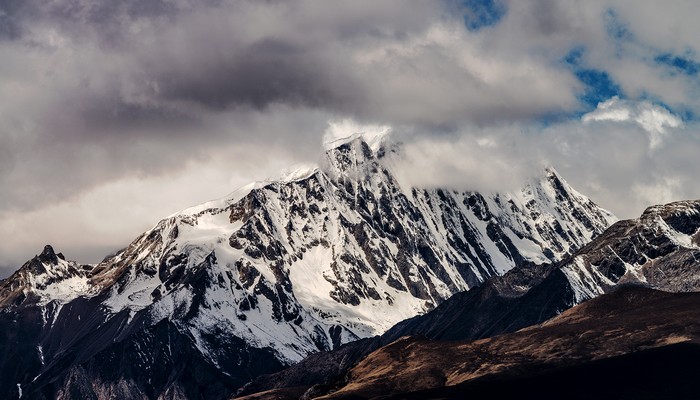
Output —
(289, 268)
(529, 295)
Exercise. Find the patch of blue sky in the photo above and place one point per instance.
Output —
(669, 63)
(482, 13)
(678, 64)
(681, 65)
(619, 33)
(616, 28)
(598, 85)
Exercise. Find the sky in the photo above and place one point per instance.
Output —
(114, 115)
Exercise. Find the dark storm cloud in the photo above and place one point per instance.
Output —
(265, 72)
(9, 24)
(100, 90)
(162, 66)
(123, 119)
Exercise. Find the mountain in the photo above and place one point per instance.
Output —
(222, 292)
(326, 256)
(48, 276)
(616, 329)
(659, 250)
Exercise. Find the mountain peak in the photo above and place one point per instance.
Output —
(47, 276)
(295, 173)
(691, 207)
(550, 171)
(49, 256)
(649, 250)
(307, 262)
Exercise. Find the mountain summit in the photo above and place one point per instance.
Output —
(46, 277)
(280, 269)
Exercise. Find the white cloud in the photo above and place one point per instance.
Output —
(111, 215)
(347, 128)
(489, 161)
(658, 191)
(608, 157)
(655, 120)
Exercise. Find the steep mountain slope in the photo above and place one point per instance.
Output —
(502, 304)
(275, 271)
(628, 320)
(330, 255)
(659, 250)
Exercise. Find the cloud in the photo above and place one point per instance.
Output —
(628, 156)
(93, 225)
(483, 13)
(654, 119)
(104, 90)
(485, 159)
(339, 131)
(102, 93)
(680, 64)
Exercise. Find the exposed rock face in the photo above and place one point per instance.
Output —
(658, 250)
(269, 274)
(46, 277)
(343, 252)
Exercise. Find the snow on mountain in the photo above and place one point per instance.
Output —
(282, 268)
(659, 249)
(327, 255)
(46, 277)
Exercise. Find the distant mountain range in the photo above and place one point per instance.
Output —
(317, 264)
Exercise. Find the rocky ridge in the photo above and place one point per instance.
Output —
(657, 250)
(275, 271)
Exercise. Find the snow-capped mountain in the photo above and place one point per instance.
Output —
(660, 250)
(275, 271)
(46, 277)
(324, 256)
